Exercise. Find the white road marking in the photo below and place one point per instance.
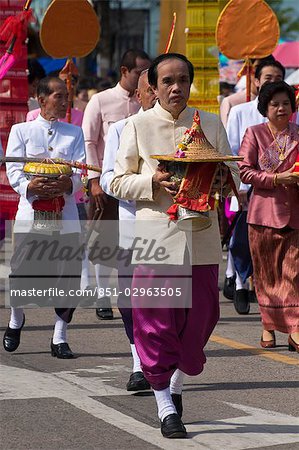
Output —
(258, 429)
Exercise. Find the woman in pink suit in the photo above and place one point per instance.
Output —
(270, 151)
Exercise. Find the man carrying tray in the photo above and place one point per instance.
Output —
(42, 259)
(169, 339)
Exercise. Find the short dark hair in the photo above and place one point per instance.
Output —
(35, 70)
(267, 92)
(44, 86)
(153, 70)
(266, 63)
(128, 59)
(268, 58)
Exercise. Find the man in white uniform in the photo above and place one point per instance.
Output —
(45, 137)
(240, 118)
(147, 99)
(168, 339)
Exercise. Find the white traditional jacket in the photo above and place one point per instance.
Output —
(156, 132)
(44, 139)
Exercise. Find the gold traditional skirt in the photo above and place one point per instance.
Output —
(275, 257)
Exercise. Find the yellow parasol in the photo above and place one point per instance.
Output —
(247, 29)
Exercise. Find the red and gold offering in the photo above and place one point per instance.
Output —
(296, 169)
(200, 173)
(47, 212)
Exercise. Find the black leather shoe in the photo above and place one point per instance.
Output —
(62, 351)
(104, 313)
(11, 338)
(252, 297)
(229, 287)
(138, 382)
(241, 301)
(104, 310)
(173, 428)
(177, 401)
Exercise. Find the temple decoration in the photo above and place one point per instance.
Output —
(201, 50)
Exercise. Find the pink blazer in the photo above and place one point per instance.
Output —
(269, 206)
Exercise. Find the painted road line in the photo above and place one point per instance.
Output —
(254, 350)
(254, 428)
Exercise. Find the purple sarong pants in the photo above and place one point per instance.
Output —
(171, 338)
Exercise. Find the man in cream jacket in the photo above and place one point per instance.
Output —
(168, 338)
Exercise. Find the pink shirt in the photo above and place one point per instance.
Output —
(102, 110)
(77, 116)
(270, 206)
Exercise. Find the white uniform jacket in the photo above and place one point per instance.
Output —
(127, 209)
(43, 139)
(156, 132)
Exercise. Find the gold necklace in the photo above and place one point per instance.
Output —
(280, 149)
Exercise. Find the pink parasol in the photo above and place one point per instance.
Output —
(287, 54)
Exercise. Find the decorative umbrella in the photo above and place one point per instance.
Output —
(245, 30)
(14, 32)
(288, 54)
(70, 28)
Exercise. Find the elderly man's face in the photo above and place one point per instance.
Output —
(145, 93)
(54, 106)
(173, 85)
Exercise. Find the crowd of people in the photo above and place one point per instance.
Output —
(119, 129)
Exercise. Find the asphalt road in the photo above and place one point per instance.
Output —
(246, 398)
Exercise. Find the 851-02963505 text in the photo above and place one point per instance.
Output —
(109, 292)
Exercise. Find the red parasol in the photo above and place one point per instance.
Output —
(14, 32)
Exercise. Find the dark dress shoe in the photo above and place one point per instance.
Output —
(293, 346)
(61, 351)
(104, 313)
(241, 301)
(177, 401)
(11, 338)
(252, 297)
(229, 287)
(173, 428)
(104, 310)
(138, 382)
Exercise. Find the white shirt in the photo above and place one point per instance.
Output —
(240, 118)
(127, 209)
(43, 139)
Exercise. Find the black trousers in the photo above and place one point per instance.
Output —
(45, 269)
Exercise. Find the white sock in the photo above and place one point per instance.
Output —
(84, 272)
(136, 359)
(176, 382)
(103, 274)
(164, 403)
(240, 284)
(230, 268)
(60, 328)
(16, 318)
